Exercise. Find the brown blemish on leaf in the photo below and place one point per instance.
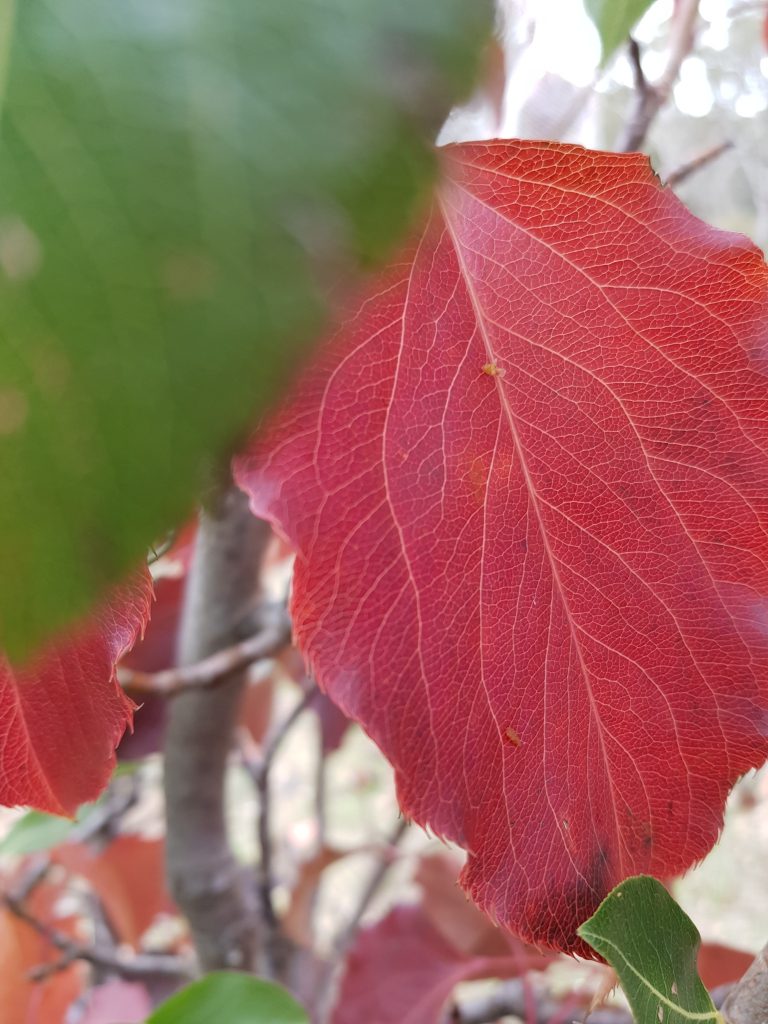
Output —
(512, 737)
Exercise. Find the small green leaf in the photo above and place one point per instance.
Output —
(35, 831)
(179, 182)
(652, 945)
(614, 20)
(231, 997)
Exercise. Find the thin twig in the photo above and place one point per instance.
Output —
(36, 873)
(102, 822)
(272, 638)
(379, 873)
(137, 966)
(685, 170)
(651, 97)
(259, 769)
(346, 937)
(162, 549)
(635, 59)
(320, 807)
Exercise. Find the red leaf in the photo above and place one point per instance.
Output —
(405, 946)
(22, 949)
(719, 965)
(297, 920)
(333, 723)
(129, 878)
(528, 486)
(64, 712)
(154, 652)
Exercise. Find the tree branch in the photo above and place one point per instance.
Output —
(272, 638)
(274, 947)
(221, 594)
(747, 1001)
(651, 97)
(109, 961)
(685, 170)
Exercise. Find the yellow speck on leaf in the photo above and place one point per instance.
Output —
(492, 370)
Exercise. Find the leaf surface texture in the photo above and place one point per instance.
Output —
(527, 481)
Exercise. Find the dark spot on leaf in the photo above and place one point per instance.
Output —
(582, 900)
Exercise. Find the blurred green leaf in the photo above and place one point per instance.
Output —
(652, 945)
(179, 182)
(36, 831)
(231, 997)
(614, 20)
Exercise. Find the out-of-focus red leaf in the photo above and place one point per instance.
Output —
(155, 652)
(118, 1002)
(719, 965)
(256, 708)
(129, 877)
(157, 648)
(527, 483)
(458, 920)
(63, 712)
(297, 920)
(333, 722)
(405, 946)
(23, 1001)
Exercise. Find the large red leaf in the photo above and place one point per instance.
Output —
(63, 713)
(527, 482)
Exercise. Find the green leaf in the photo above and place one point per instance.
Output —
(179, 183)
(231, 997)
(652, 945)
(36, 831)
(614, 20)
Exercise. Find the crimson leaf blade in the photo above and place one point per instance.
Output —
(527, 482)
